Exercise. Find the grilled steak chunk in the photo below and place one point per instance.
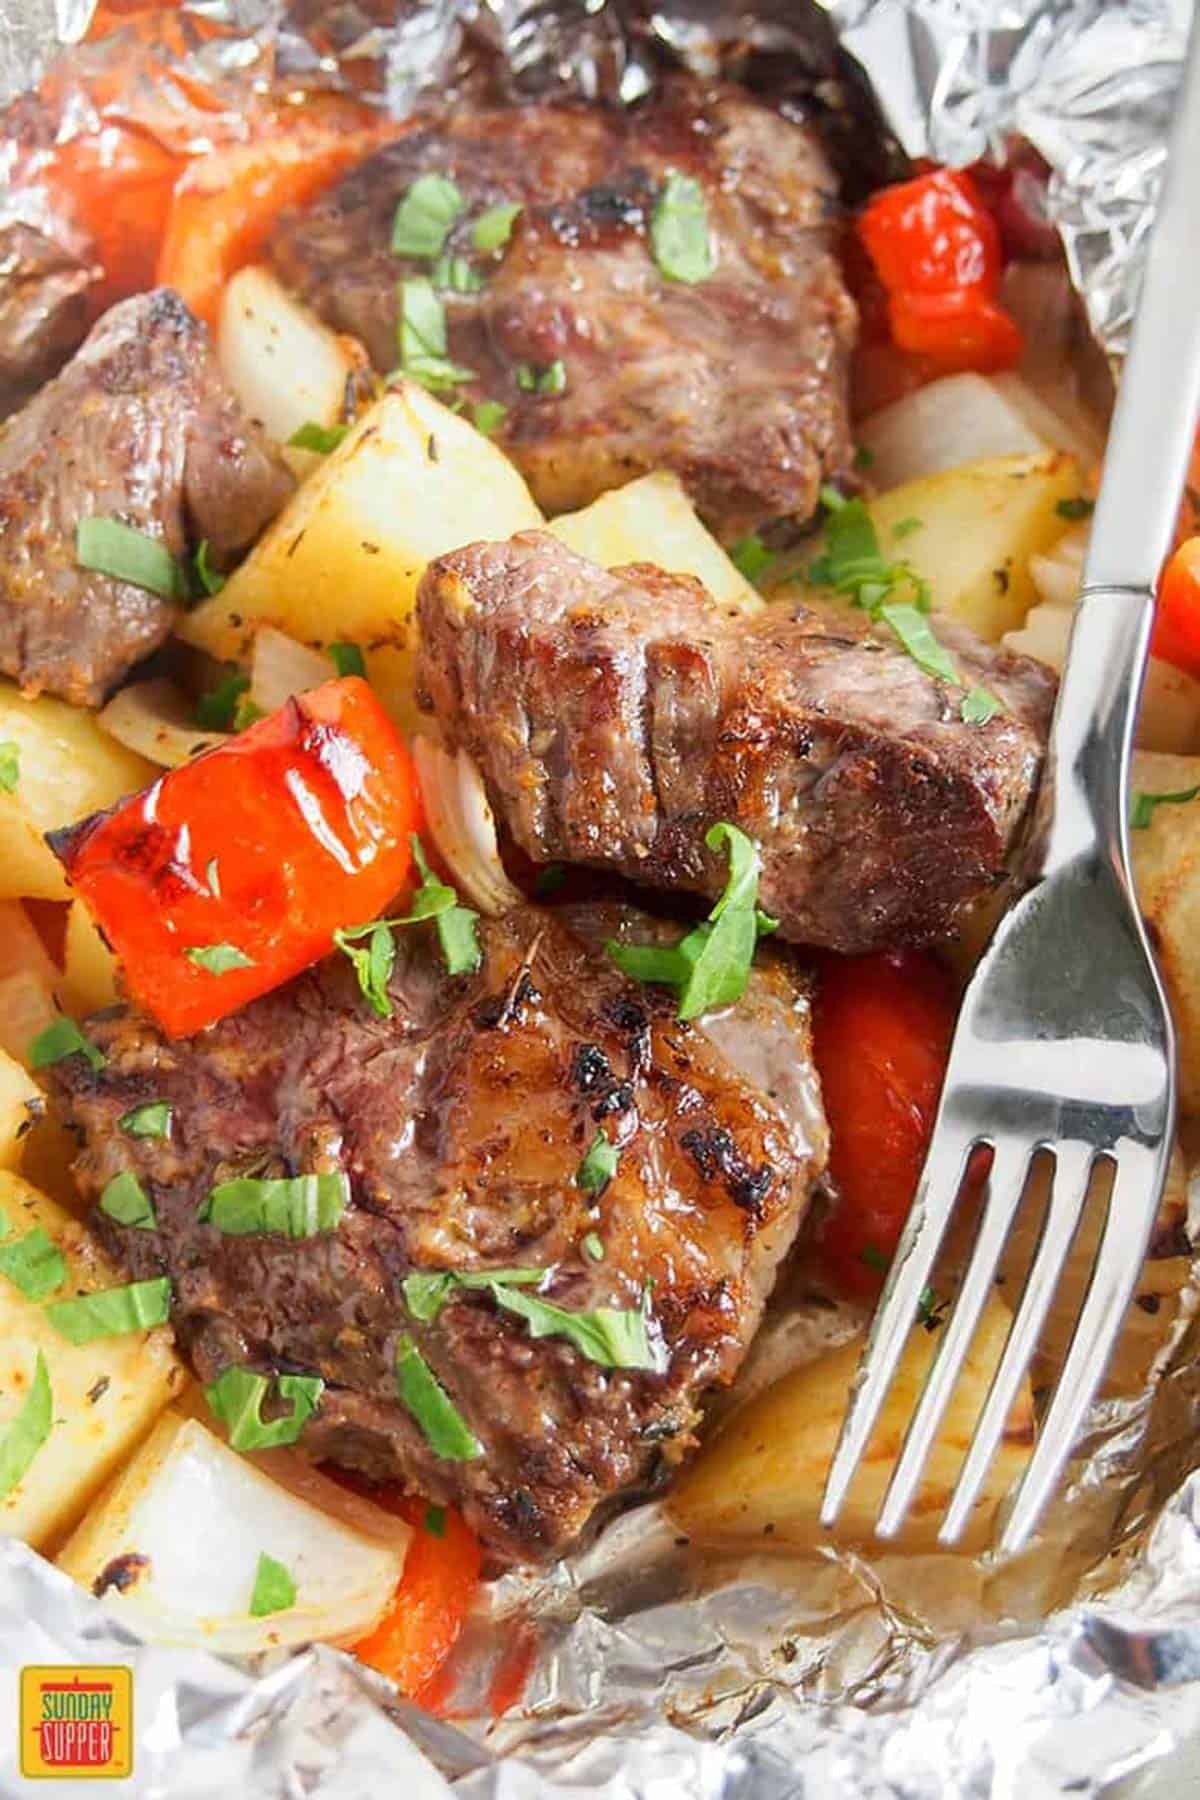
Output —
(46, 270)
(618, 715)
(737, 382)
(139, 427)
(461, 1123)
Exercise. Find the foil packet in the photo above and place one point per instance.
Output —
(649, 1669)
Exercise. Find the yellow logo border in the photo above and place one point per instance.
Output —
(32, 1682)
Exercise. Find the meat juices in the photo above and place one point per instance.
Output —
(617, 715)
(461, 1123)
(737, 382)
(139, 427)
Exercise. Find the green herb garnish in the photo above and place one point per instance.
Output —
(210, 580)
(212, 877)
(493, 228)
(24, 1437)
(488, 416)
(874, 1257)
(10, 765)
(150, 1120)
(456, 275)
(314, 436)
(33, 1263)
(274, 1590)
(446, 1431)
(426, 1291)
(592, 1246)
(711, 965)
(236, 1398)
(455, 923)
(905, 527)
(435, 1521)
(297, 1206)
(125, 1200)
(425, 215)
(614, 1339)
(347, 659)
(598, 1166)
(679, 233)
(550, 380)
(62, 1038)
(373, 962)
(1143, 805)
(217, 710)
(423, 338)
(978, 706)
(119, 551)
(218, 959)
(112, 1312)
(750, 557)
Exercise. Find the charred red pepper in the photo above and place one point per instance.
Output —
(937, 251)
(230, 874)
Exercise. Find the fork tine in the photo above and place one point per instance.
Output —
(937, 1191)
(1006, 1184)
(1070, 1179)
(1137, 1190)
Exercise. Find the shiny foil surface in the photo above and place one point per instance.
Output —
(652, 1670)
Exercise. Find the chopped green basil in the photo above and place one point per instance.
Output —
(210, 580)
(488, 416)
(236, 1398)
(863, 457)
(905, 527)
(423, 338)
(10, 765)
(455, 923)
(456, 275)
(314, 436)
(912, 628)
(1143, 807)
(373, 964)
(425, 215)
(347, 659)
(614, 1339)
(1078, 506)
(493, 228)
(593, 1247)
(435, 1521)
(126, 1200)
(550, 380)
(750, 557)
(426, 1291)
(112, 1311)
(299, 1206)
(217, 710)
(24, 1437)
(274, 1590)
(218, 959)
(62, 1038)
(598, 1166)
(124, 554)
(246, 712)
(978, 706)
(679, 233)
(33, 1263)
(150, 1120)
(446, 1431)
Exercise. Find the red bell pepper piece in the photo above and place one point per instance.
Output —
(422, 1624)
(882, 1027)
(1176, 636)
(230, 874)
(937, 251)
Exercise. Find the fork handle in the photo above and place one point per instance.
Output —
(1084, 804)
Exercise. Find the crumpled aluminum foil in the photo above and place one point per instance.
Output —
(654, 1672)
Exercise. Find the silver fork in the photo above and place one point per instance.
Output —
(1064, 1044)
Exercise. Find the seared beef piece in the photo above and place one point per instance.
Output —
(139, 427)
(738, 383)
(461, 1122)
(617, 715)
(46, 270)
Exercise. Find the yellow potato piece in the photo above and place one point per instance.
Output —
(106, 1395)
(652, 520)
(68, 767)
(89, 975)
(18, 1092)
(760, 1481)
(1166, 868)
(343, 559)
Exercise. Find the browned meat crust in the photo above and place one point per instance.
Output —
(738, 383)
(461, 1123)
(46, 271)
(618, 715)
(139, 427)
